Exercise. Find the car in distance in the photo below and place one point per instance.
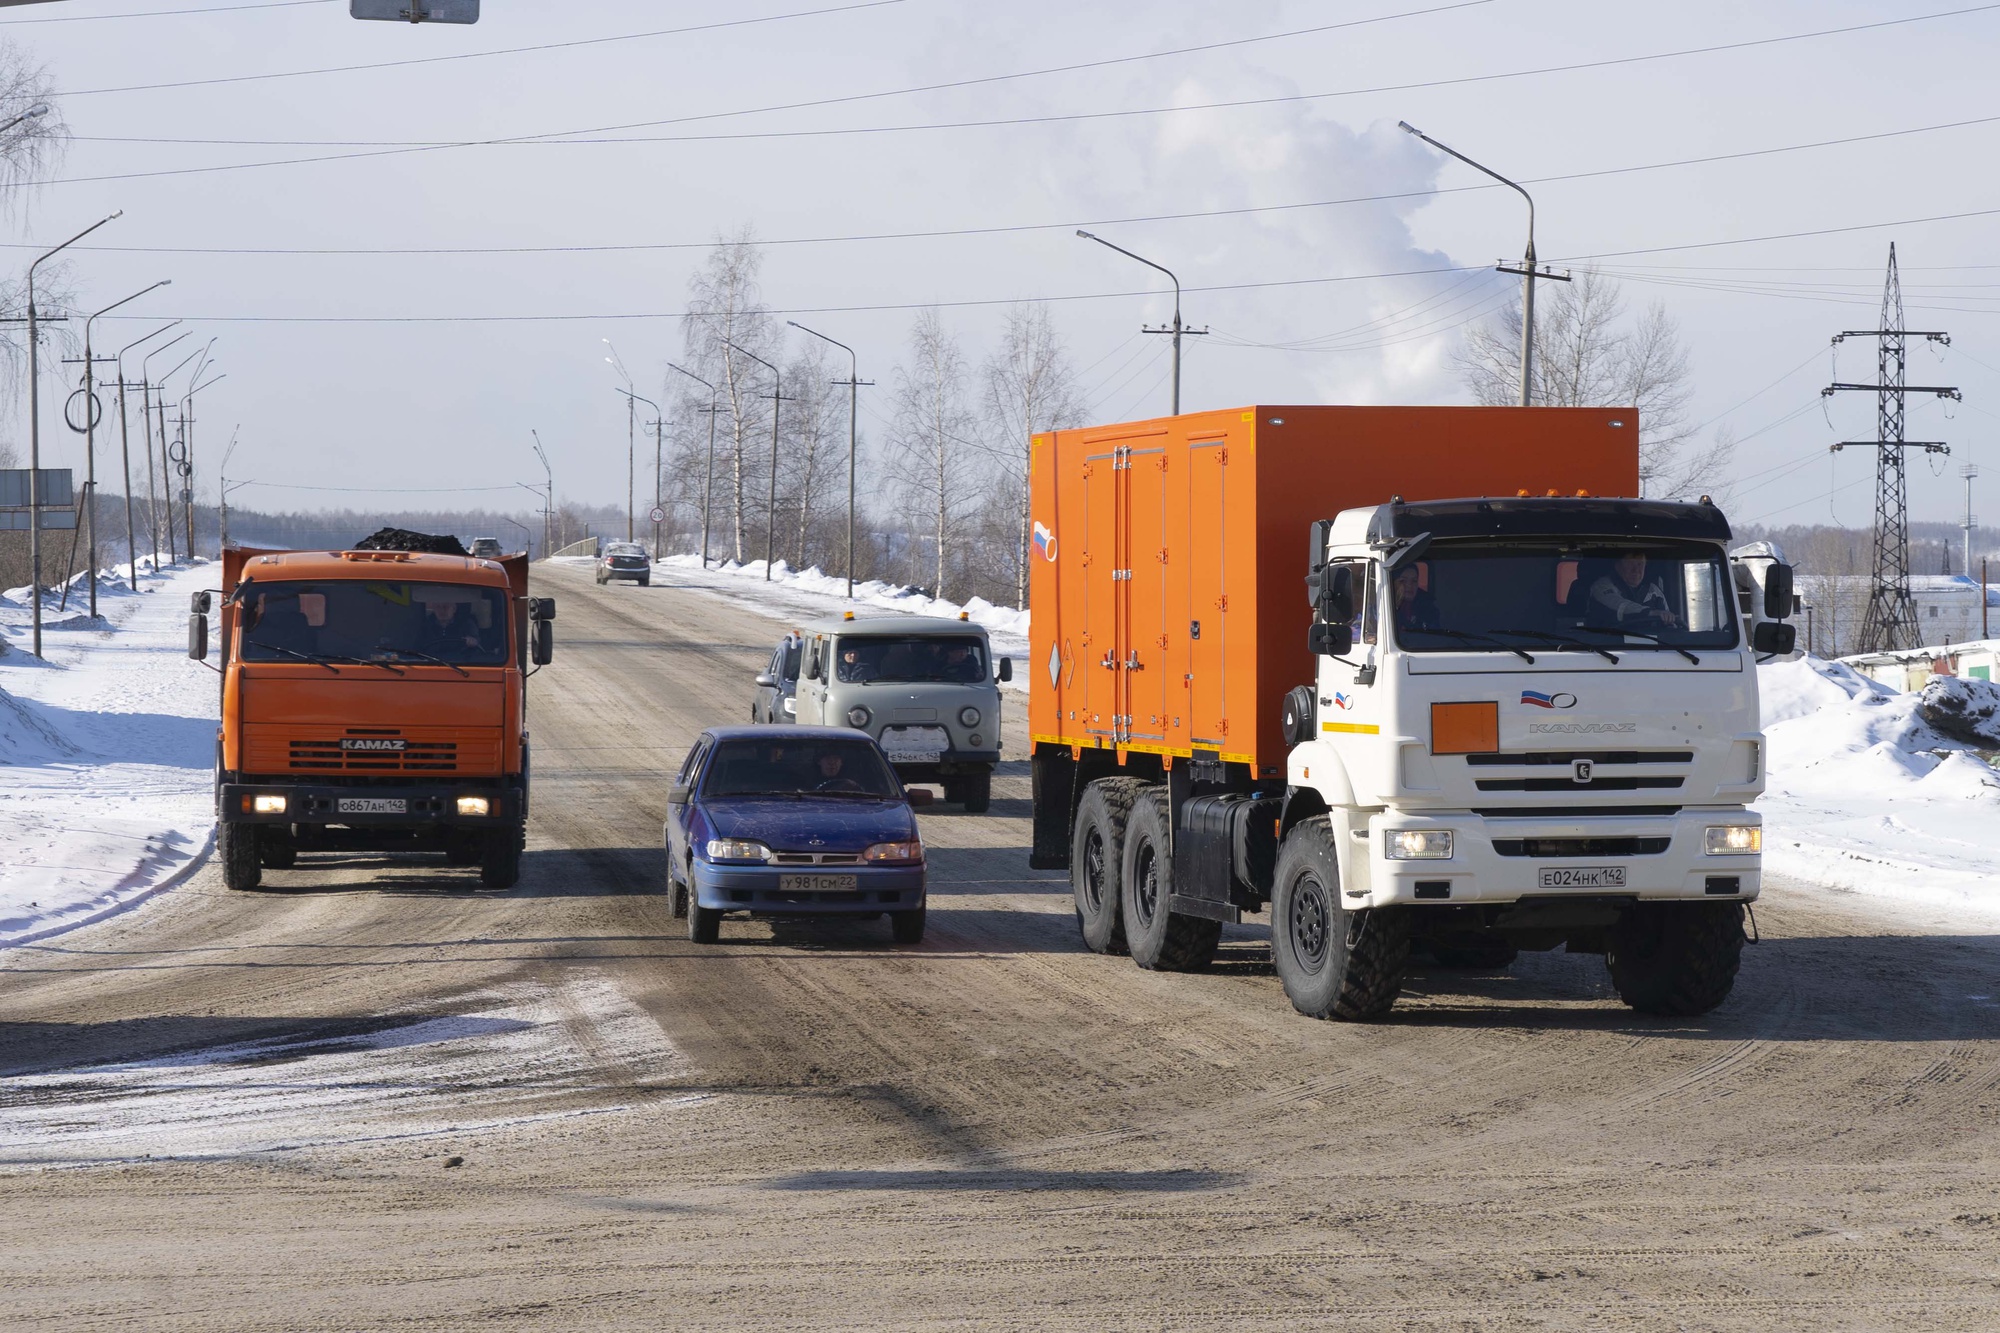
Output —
(925, 687)
(778, 684)
(792, 821)
(486, 548)
(625, 560)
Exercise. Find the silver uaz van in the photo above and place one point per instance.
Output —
(926, 689)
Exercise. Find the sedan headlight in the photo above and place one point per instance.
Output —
(1418, 844)
(969, 716)
(891, 853)
(858, 716)
(737, 849)
(1734, 840)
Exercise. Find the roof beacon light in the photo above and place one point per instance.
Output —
(847, 615)
(965, 615)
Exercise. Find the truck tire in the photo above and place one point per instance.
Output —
(275, 848)
(976, 790)
(907, 927)
(500, 858)
(704, 923)
(1161, 940)
(1097, 852)
(1677, 959)
(1334, 963)
(236, 847)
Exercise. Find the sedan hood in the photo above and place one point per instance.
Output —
(839, 824)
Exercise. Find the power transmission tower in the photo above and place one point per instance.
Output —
(1891, 622)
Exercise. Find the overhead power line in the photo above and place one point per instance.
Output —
(164, 13)
(1046, 119)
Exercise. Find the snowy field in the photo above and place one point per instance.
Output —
(106, 752)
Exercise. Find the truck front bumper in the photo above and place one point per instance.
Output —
(422, 805)
(1498, 859)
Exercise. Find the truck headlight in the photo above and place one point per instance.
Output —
(267, 805)
(1418, 844)
(474, 805)
(894, 852)
(1733, 840)
(968, 717)
(858, 716)
(737, 849)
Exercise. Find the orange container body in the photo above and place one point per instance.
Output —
(1169, 556)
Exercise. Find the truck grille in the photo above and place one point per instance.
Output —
(327, 756)
(1567, 757)
(1598, 759)
(1568, 784)
(1555, 847)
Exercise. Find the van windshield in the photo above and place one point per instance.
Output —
(951, 659)
(1640, 595)
(374, 622)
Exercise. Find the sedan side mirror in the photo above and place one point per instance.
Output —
(1006, 672)
(919, 796)
(678, 794)
(764, 680)
(198, 635)
(542, 643)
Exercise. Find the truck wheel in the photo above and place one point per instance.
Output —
(464, 849)
(1161, 939)
(907, 927)
(236, 845)
(1097, 851)
(1676, 958)
(704, 923)
(500, 859)
(976, 790)
(275, 848)
(1334, 963)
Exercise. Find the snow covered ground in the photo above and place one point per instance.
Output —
(106, 752)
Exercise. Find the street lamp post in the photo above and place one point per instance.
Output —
(854, 383)
(549, 507)
(1528, 270)
(187, 440)
(35, 426)
(771, 503)
(631, 437)
(708, 482)
(222, 494)
(1176, 329)
(125, 449)
(90, 439)
(166, 462)
(632, 399)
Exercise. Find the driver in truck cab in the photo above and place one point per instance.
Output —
(1625, 594)
(1415, 608)
(448, 625)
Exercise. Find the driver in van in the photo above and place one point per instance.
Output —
(1626, 594)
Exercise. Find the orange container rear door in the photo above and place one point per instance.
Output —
(1142, 652)
(1096, 643)
(1207, 478)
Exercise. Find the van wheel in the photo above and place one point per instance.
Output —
(500, 858)
(1161, 939)
(1334, 963)
(976, 790)
(1677, 959)
(236, 847)
(1097, 853)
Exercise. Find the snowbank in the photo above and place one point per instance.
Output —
(1865, 794)
(106, 752)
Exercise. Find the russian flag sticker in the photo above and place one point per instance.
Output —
(1045, 542)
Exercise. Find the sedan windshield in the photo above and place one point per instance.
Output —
(954, 659)
(795, 766)
(1641, 595)
(349, 620)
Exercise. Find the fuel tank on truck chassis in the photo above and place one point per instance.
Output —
(1169, 556)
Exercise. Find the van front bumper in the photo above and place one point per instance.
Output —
(1501, 859)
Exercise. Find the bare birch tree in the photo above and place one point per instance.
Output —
(815, 437)
(1030, 387)
(725, 305)
(932, 436)
(1587, 354)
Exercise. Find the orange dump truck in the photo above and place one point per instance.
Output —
(372, 700)
(1410, 678)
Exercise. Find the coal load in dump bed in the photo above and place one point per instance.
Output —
(402, 539)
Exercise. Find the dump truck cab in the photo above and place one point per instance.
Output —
(372, 700)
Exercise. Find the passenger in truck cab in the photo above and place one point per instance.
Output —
(1626, 595)
(1415, 608)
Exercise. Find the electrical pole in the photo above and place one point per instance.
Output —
(854, 383)
(549, 506)
(125, 451)
(659, 424)
(708, 483)
(88, 395)
(1969, 471)
(1891, 622)
(1176, 328)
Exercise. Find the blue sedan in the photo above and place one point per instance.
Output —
(792, 821)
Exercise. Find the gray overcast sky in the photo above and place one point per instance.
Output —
(432, 404)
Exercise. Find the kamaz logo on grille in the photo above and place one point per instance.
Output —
(373, 745)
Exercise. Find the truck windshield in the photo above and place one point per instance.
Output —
(1640, 595)
(374, 622)
(955, 659)
(794, 766)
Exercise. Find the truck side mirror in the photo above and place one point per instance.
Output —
(542, 608)
(1329, 639)
(1006, 672)
(198, 634)
(541, 643)
(1336, 594)
(199, 603)
(1778, 592)
(1774, 638)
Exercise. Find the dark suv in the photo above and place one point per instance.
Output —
(625, 560)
